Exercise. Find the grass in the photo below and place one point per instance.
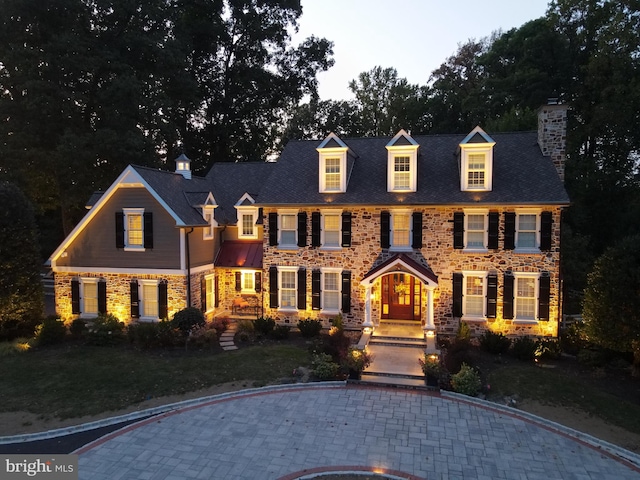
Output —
(71, 380)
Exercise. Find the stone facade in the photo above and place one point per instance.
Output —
(552, 134)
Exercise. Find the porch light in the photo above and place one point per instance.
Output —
(431, 333)
(367, 330)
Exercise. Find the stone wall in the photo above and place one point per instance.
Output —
(552, 134)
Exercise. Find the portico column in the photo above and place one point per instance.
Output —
(367, 307)
(429, 327)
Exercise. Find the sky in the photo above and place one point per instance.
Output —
(413, 36)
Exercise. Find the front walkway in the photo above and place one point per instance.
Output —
(289, 431)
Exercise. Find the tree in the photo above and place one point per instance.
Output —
(611, 308)
(21, 297)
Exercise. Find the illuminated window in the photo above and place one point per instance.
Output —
(401, 230)
(287, 290)
(134, 228)
(288, 229)
(89, 297)
(207, 233)
(476, 172)
(402, 163)
(332, 165)
(475, 229)
(248, 282)
(474, 295)
(149, 299)
(476, 161)
(331, 230)
(401, 173)
(331, 290)
(209, 285)
(525, 298)
(332, 174)
(527, 231)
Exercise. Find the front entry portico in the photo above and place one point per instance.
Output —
(400, 296)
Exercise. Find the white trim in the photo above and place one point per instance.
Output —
(208, 231)
(288, 246)
(324, 155)
(142, 300)
(139, 212)
(536, 295)
(474, 273)
(392, 246)
(392, 267)
(252, 274)
(527, 211)
(250, 211)
(82, 281)
(323, 214)
(123, 271)
(337, 271)
(468, 149)
(211, 277)
(293, 269)
(402, 151)
(485, 241)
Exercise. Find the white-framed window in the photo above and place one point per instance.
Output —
(401, 172)
(474, 288)
(527, 230)
(89, 296)
(525, 297)
(248, 281)
(133, 228)
(288, 280)
(331, 229)
(288, 229)
(476, 171)
(401, 230)
(332, 173)
(209, 292)
(476, 161)
(148, 299)
(331, 281)
(207, 232)
(475, 230)
(402, 163)
(247, 223)
(333, 164)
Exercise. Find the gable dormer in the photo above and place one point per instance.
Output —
(248, 217)
(332, 165)
(208, 208)
(402, 163)
(476, 161)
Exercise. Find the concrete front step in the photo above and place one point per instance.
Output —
(398, 341)
(396, 381)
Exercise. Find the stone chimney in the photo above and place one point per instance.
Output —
(183, 166)
(552, 133)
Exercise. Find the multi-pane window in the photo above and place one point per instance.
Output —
(150, 299)
(208, 230)
(288, 289)
(331, 230)
(332, 174)
(331, 291)
(474, 296)
(525, 298)
(90, 298)
(401, 229)
(475, 230)
(476, 171)
(209, 292)
(288, 229)
(134, 230)
(526, 231)
(248, 281)
(247, 224)
(401, 173)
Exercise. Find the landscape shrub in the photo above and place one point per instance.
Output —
(336, 344)
(462, 341)
(323, 366)
(207, 335)
(548, 349)
(281, 332)
(153, 334)
(187, 319)
(52, 330)
(524, 348)
(77, 328)
(310, 328)
(220, 325)
(338, 322)
(264, 326)
(245, 331)
(593, 357)
(573, 338)
(105, 329)
(466, 381)
(494, 342)
(17, 345)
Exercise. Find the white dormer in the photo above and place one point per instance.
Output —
(183, 166)
(476, 162)
(247, 217)
(208, 214)
(402, 163)
(332, 165)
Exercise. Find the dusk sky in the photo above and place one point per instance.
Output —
(413, 36)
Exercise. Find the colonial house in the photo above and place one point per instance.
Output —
(434, 229)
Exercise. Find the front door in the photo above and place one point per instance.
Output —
(400, 297)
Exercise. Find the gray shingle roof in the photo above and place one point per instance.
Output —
(521, 174)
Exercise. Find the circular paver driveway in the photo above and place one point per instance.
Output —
(292, 432)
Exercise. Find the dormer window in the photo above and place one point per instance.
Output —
(208, 215)
(402, 163)
(476, 161)
(247, 217)
(332, 171)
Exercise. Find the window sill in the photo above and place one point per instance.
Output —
(330, 311)
(134, 249)
(401, 249)
(148, 319)
(525, 321)
(526, 250)
(331, 248)
(89, 316)
(247, 237)
(288, 247)
(475, 250)
(287, 309)
(473, 319)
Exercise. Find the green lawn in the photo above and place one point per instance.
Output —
(71, 380)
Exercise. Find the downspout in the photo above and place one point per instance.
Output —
(186, 248)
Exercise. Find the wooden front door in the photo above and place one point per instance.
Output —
(400, 297)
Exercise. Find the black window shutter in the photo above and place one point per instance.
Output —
(216, 294)
(346, 229)
(302, 229)
(492, 296)
(416, 231)
(119, 230)
(346, 292)
(238, 281)
(258, 281)
(507, 296)
(75, 296)
(544, 293)
(316, 277)
(203, 294)
(273, 287)
(163, 300)
(135, 300)
(509, 231)
(315, 229)
(458, 230)
(302, 289)
(385, 225)
(102, 297)
(148, 229)
(273, 229)
(457, 295)
(546, 222)
(494, 225)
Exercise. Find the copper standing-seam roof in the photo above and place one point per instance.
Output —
(239, 254)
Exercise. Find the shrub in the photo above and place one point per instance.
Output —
(17, 345)
(106, 329)
(336, 344)
(310, 328)
(187, 319)
(77, 328)
(264, 325)
(431, 365)
(466, 381)
(495, 343)
(593, 357)
(323, 366)
(51, 331)
(155, 334)
(524, 348)
(548, 348)
(280, 332)
(338, 322)
(245, 331)
(357, 360)
(462, 340)
(205, 335)
(573, 338)
(220, 325)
